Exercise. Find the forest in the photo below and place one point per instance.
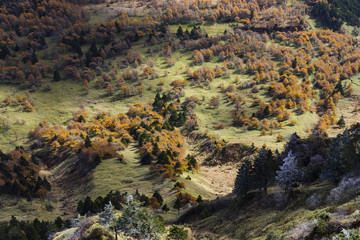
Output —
(196, 119)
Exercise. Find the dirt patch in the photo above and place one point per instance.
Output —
(230, 153)
(221, 177)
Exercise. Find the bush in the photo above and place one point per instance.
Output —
(348, 187)
(351, 234)
(177, 233)
(314, 201)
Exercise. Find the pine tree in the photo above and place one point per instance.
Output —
(334, 167)
(56, 76)
(199, 199)
(177, 233)
(178, 204)
(137, 222)
(80, 207)
(158, 197)
(180, 32)
(243, 181)
(59, 223)
(341, 122)
(107, 218)
(263, 168)
(165, 208)
(88, 143)
(339, 88)
(289, 172)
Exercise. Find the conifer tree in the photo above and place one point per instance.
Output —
(243, 181)
(334, 167)
(263, 168)
(88, 143)
(178, 204)
(289, 172)
(107, 218)
(56, 76)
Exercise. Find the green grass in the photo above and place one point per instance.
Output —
(254, 221)
(24, 210)
(211, 30)
(127, 177)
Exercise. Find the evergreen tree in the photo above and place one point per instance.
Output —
(339, 88)
(334, 167)
(289, 172)
(33, 58)
(80, 207)
(89, 206)
(59, 223)
(165, 208)
(30, 232)
(177, 233)
(178, 204)
(137, 222)
(4, 51)
(341, 122)
(263, 168)
(56, 76)
(243, 181)
(88, 143)
(199, 199)
(180, 32)
(158, 197)
(107, 218)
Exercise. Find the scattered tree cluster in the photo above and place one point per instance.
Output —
(19, 175)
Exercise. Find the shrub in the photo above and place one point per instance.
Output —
(314, 201)
(348, 187)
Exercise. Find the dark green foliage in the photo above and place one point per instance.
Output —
(178, 204)
(162, 158)
(165, 208)
(191, 161)
(147, 159)
(88, 143)
(35, 230)
(243, 181)
(264, 168)
(177, 233)
(347, 10)
(335, 166)
(257, 176)
(4, 51)
(339, 88)
(137, 222)
(158, 197)
(81, 119)
(341, 122)
(327, 16)
(321, 230)
(180, 32)
(177, 184)
(56, 76)
(199, 199)
(294, 63)
(88, 206)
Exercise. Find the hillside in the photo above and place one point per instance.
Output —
(185, 108)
